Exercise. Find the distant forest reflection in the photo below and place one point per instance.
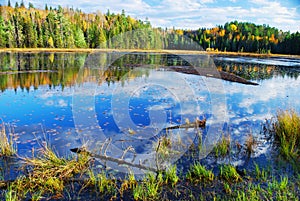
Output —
(26, 70)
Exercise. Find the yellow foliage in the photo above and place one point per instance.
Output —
(207, 31)
(233, 27)
(258, 38)
(51, 42)
(84, 26)
(179, 32)
(51, 57)
(131, 20)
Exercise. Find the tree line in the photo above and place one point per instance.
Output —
(247, 37)
(22, 27)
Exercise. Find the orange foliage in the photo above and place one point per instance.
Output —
(222, 33)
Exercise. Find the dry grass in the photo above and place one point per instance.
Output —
(48, 175)
(250, 144)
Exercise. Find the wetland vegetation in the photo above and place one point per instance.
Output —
(46, 175)
(237, 168)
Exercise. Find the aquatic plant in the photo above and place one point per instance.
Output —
(287, 133)
(128, 183)
(261, 174)
(171, 175)
(149, 188)
(199, 173)
(104, 184)
(48, 174)
(250, 144)
(222, 148)
(229, 173)
(7, 147)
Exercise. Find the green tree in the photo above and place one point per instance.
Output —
(79, 39)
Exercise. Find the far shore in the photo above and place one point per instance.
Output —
(158, 51)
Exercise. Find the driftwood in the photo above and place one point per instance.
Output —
(197, 124)
(119, 161)
(208, 72)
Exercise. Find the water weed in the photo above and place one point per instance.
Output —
(199, 173)
(171, 175)
(222, 148)
(229, 173)
(7, 147)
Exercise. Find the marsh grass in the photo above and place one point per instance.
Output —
(199, 173)
(287, 134)
(229, 173)
(7, 146)
(171, 175)
(222, 148)
(261, 174)
(47, 175)
(150, 188)
(250, 144)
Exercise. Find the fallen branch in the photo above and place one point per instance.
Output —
(119, 161)
(197, 124)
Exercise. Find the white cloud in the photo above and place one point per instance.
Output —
(193, 14)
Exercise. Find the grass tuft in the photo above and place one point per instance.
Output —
(250, 144)
(7, 147)
(199, 173)
(229, 173)
(222, 148)
(171, 175)
(48, 175)
(287, 133)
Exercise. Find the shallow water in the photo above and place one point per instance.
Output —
(121, 100)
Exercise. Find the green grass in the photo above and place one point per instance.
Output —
(287, 134)
(7, 147)
(222, 148)
(199, 173)
(149, 189)
(229, 173)
(171, 175)
(261, 174)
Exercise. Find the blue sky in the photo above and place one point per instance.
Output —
(193, 14)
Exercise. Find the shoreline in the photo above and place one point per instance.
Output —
(158, 51)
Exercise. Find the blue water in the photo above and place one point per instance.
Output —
(136, 110)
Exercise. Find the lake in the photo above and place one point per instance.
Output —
(123, 103)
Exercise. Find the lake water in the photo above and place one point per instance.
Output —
(121, 100)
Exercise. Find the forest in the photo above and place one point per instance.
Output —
(29, 27)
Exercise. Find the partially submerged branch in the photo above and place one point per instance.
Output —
(119, 161)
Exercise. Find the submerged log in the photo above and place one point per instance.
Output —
(208, 72)
(197, 124)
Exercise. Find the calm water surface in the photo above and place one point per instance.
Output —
(70, 100)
